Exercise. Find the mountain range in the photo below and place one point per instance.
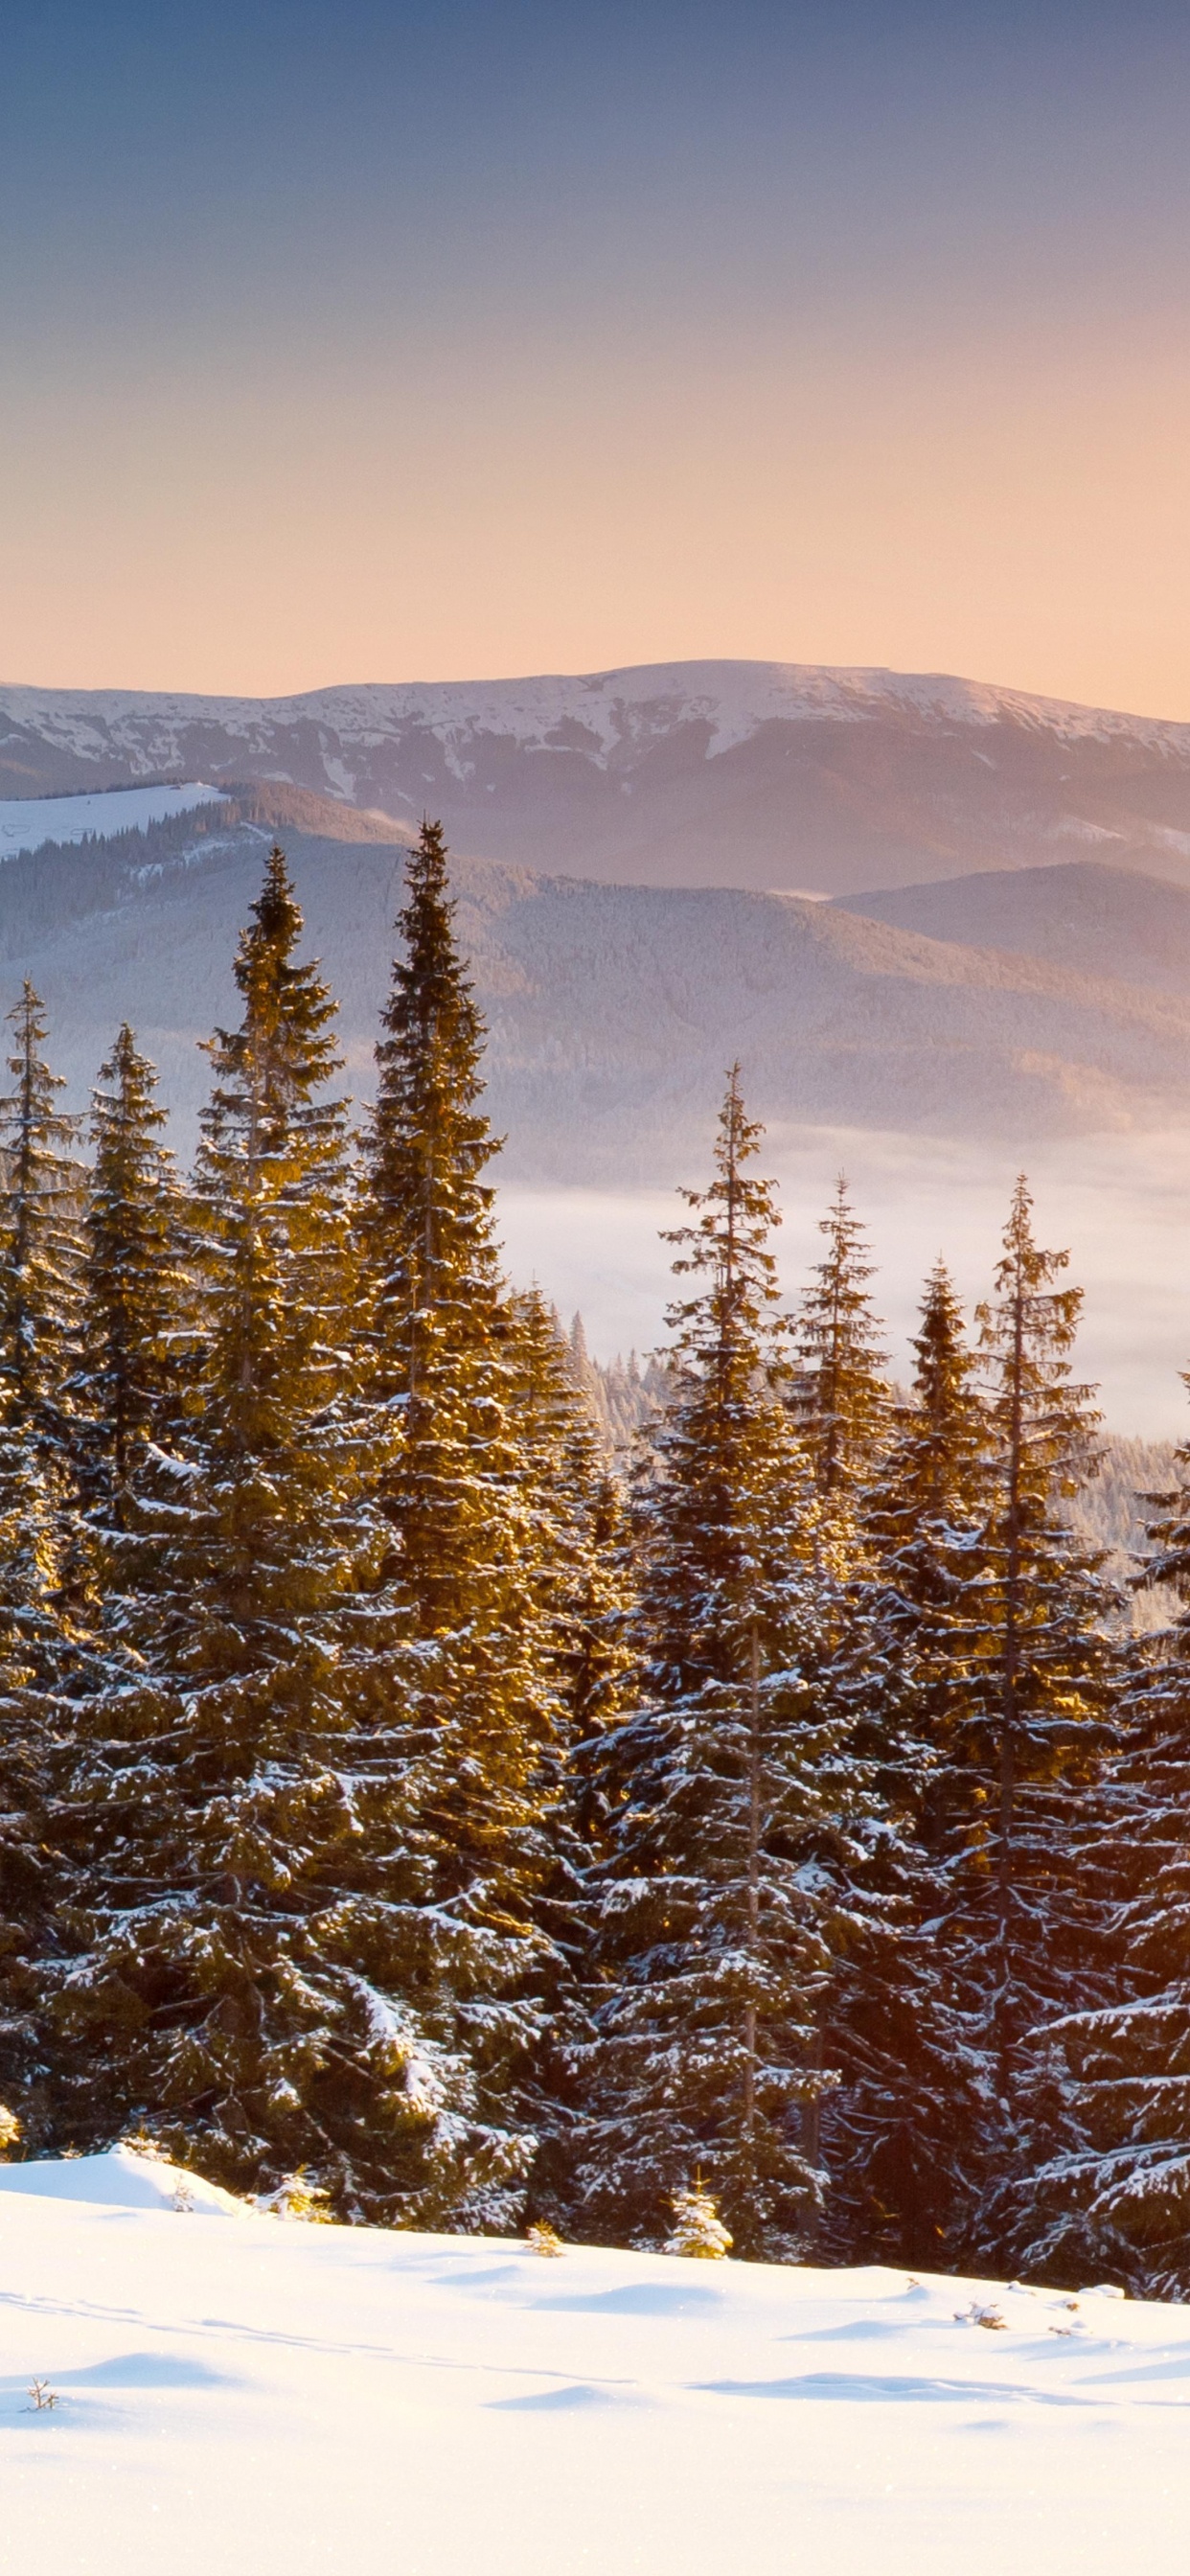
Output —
(696, 774)
(983, 1008)
(990, 975)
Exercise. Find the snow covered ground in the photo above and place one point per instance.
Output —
(28, 822)
(238, 2393)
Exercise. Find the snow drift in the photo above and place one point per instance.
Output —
(270, 2396)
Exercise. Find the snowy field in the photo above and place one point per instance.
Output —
(244, 2394)
(28, 822)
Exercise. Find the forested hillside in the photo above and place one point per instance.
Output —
(409, 1812)
(611, 1009)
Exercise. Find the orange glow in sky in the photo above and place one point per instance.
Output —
(398, 342)
(1005, 518)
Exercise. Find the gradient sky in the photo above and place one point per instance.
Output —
(387, 340)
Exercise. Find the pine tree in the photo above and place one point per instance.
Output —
(698, 2231)
(729, 1796)
(133, 1303)
(1044, 1657)
(898, 2124)
(841, 1395)
(250, 1974)
(443, 1322)
(575, 1547)
(470, 1521)
(576, 1535)
(43, 1580)
(1115, 2201)
(926, 1508)
(39, 1238)
(1023, 1927)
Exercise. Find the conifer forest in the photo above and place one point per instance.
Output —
(402, 1792)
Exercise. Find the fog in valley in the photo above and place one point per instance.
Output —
(1119, 1204)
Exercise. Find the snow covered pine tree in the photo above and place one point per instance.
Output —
(842, 1397)
(897, 2127)
(43, 1582)
(480, 1674)
(246, 1907)
(41, 1196)
(1116, 2201)
(1023, 1928)
(576, 1542)
(729, 1799)
(134, 1304)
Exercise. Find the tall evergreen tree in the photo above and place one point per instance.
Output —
(43, 1584)
(1115, 2200)
(730, 1796)
(1022, 1932)
(464, 1509)
(249, 1977)
(899, 2123)
(40, 1210)
(575, 1529)
(575, 1547)
(842, 1397)
(1044, 1653)
(43, 1570)
(443, 1321)
(134, 1311)
(926, 1508)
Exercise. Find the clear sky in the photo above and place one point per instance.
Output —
(391, 339)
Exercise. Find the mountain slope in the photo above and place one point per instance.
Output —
(613, 1010)
(1090, 919)
(702, 773)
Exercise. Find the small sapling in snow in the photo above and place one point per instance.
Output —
(698, 2228)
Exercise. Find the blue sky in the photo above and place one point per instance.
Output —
(373, 340)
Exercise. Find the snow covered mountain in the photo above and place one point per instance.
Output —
(187, 2384)
(753, 774)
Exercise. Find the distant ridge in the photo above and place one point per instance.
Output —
(1084, 918)
(757, 774)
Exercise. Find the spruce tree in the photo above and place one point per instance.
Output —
(926, 1508)
(250, 1974)
(576, 1535)
(44, 1580)
(1022, 1932)
(1042, 1650)
(730, 1797)
(842, 1397)
(899, 2123)
(44, 1587)
(443, 1323)
(472, 1513)
(134, 1305)
(1115, 2201)
(574, 1553)
(40, 1210)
